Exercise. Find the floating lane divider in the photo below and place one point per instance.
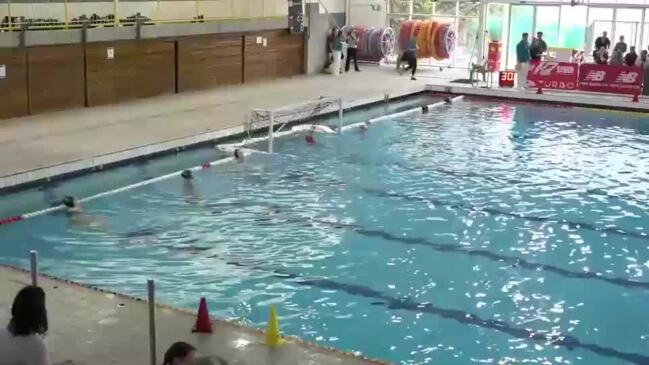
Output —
(116, 191)
(405, 112)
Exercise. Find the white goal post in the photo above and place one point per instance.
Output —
(301, 112)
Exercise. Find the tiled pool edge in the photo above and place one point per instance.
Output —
(311, 346)
(25, 179)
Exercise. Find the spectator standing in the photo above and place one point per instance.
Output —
(21, 342)
(523, 60)
(616, 58)
(338, 53)
(600, 56)
(643, 62)
(631, 57)
(538, 47)
(602, 41)
(620, 46)
(352, 50)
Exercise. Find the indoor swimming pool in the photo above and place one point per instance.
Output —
(479, 232)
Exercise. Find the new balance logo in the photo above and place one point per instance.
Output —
(627, 77)
(595, 76)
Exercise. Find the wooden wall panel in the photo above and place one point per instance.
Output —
(56, 77)
(209, 61)
(13, 88)
(139, 69)
(283, 55)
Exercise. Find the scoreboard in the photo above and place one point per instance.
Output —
(506, 78)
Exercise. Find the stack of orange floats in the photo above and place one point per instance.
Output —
(434, 39)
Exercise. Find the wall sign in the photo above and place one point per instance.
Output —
(110, 53)
(3, 71)
(553, 75)
(610, 79)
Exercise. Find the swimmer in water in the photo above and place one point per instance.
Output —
(187, 175)
(365, 126)
(238, 155)
(71, 205)
(79, 219)
(310, 138)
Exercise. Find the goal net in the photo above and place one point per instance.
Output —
(276, 119)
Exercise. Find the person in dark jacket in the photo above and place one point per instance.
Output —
(602, 41)
(631, 57)
(538, 47)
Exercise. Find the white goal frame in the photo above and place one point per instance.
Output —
(262, 118)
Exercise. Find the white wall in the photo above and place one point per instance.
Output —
(334, 6)
(371, 13)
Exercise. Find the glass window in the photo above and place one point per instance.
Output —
(645, 41)
(595, 14)
(496, 21)
(573, 26)
(395, 21)
(547, 21)
(629, 15)
(469, 8)
(521, 22)
(422, 7)
(467, 31)
(400, 6)
(445, 8)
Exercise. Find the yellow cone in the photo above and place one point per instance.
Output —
(273, 336)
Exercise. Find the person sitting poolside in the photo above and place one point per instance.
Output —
(21, 342)
(180, 353)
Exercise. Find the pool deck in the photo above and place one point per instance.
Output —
(41, 146)
(91, 327)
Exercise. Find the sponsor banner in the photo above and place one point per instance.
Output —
(553, 75)
(610, 79)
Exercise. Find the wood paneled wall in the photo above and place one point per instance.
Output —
(56, 77)
(138, 70)
(68, 76)
(209, 61)
(13, 88)
(282, 56)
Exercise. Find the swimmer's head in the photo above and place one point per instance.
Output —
(448, 100)
(310, 138)
(237, 154)
(69, 202)
(186, 174)
(424, 108)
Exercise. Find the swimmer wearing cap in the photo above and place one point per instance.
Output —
(238, 155)
(71, 205)
(365, 126)
(187, 174)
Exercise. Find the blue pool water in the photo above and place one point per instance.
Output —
(480, 232)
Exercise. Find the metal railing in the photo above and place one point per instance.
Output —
(115, 13)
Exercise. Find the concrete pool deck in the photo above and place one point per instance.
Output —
(41, 146)
(91, 327)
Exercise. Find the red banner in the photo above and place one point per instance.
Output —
(553, 75)
(610, 79)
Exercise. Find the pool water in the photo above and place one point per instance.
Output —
(480, 232)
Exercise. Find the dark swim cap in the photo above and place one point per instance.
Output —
(237, 153)
(186, 174)
(69, 202)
